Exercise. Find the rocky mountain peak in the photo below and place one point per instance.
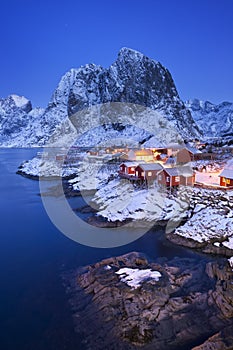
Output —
(126, 54)
(13, 102)
(133, 78)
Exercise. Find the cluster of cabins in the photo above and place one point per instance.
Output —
(147, 167)
(165, 166)
(149, 173)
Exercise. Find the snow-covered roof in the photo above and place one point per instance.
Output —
(174, 146)
(193, 150)
(185, 171)
(129, 164)
(172, 171)
(171, 161)
(151, 166)
(227, 173)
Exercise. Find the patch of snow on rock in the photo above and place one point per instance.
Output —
(134, 277)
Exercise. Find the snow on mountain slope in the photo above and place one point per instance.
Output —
(20, 125)
(133, 79)
(213, 120)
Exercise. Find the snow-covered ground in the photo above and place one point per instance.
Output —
(119, 201)
(134, 277)
(209, 213)
(46, 168)
(208, 224)
(92, 176)
(208, 178)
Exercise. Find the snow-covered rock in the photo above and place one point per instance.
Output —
(207, 224)
(37, 167)
(20, 125)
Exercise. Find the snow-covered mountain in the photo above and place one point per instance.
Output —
(133, 78)
(213, 120)
(20, 124)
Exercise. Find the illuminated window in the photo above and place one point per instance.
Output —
(149, 173)
(132, 169)
(177, 179)
(228, 181)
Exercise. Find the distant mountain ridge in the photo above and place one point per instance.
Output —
(214, 120)
(132, 78)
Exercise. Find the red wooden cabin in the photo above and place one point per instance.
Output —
(147, 171)
(169, 177)
(127, 169)
(226, 178)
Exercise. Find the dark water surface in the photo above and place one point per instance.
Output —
(34, 310)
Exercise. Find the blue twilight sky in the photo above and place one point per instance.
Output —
(41, 40)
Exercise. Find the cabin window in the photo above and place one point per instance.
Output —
(160, 177)
(177, 179)
(149, 173)
(132, 169)
(228, 181)
(223, 179)
(143, 173)
(167, 179)
(136, 173)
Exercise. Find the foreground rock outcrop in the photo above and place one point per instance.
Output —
(185, 304)
(222, 340)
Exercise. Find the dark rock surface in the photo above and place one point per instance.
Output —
(222, 340)
(188, 304)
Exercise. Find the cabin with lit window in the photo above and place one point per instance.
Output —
(147, 171)
(226, 178)
(145, 155)
(127, 170)
(169, 177)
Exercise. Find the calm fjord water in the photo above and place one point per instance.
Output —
(34, 309)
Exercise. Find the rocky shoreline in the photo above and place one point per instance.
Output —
(190, 303)
(207, 247)
(200, 200)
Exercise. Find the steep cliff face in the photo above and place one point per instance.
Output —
(213, 120)
(133, 78)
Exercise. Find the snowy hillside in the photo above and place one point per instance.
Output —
(133, 78)
(213, 120)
